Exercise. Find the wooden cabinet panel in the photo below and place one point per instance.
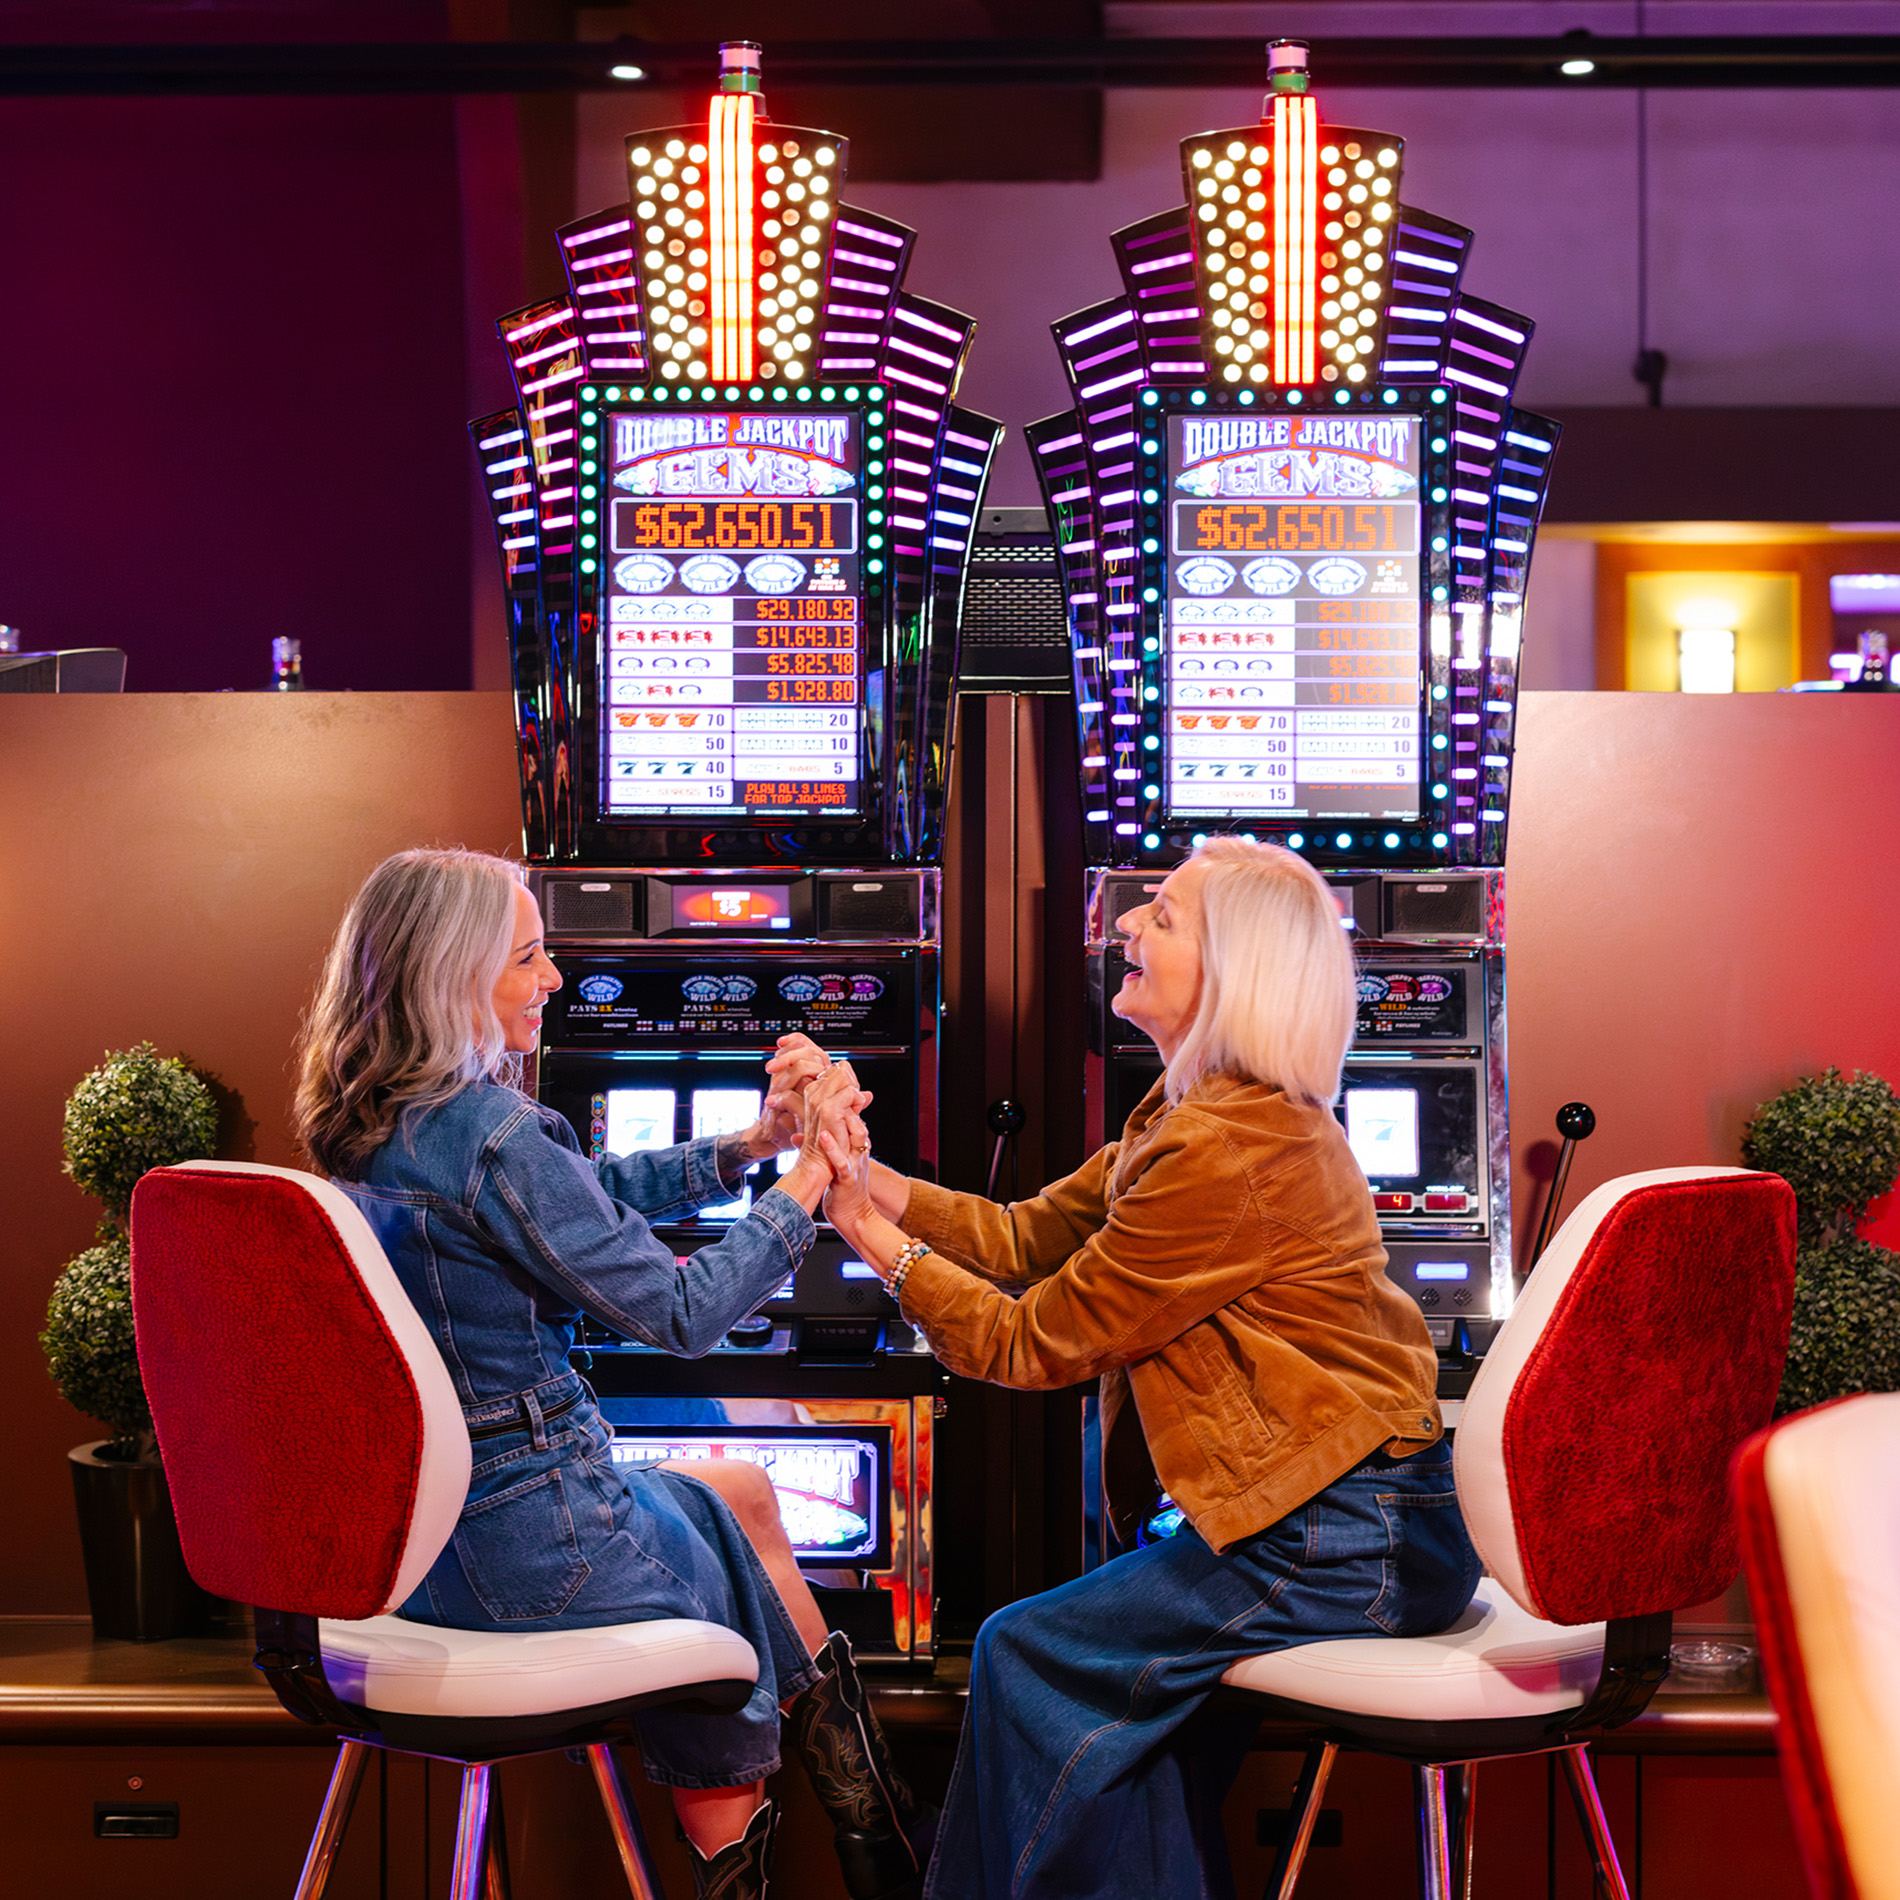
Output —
(244, 1819)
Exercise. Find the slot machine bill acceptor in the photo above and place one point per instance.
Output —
(1293, 507)
(734, 508)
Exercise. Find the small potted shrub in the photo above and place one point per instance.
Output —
(138, 1110)
(1836, 1142)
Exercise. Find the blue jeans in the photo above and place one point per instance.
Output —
(557, 1537)
(1086, 1771)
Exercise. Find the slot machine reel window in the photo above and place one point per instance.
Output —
(1416, 1134)
(1293, 668)
(733, 614)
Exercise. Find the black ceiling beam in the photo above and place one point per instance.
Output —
(315, 67)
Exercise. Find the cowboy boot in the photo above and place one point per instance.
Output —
(741, 1870)
(882, 1832)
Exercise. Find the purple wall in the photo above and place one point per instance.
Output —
(232, 397)
(1771, 215)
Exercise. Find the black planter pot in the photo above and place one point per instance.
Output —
(136, 1580)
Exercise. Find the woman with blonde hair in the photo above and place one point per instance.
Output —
(503, 1233)
(1219, 1269)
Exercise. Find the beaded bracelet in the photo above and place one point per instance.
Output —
(908, 1255)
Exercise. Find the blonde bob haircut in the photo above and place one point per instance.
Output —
(404, 1015)
(1278, 990)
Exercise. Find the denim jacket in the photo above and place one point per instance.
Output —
(503, 1234)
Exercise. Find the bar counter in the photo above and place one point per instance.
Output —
(60, 1686)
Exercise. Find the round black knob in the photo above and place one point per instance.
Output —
(754, 1332)
(1006, 1117)
(1575, 1120)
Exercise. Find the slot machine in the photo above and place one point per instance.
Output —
(734, 508)
(1293, 508)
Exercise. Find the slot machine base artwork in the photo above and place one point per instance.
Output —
(1423, 1096)
(851, 1457)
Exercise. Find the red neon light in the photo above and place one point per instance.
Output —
(729, 227)
(1295, 218)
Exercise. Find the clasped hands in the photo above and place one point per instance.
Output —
(816, 1105)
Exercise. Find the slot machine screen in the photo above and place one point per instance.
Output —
(639, 1118)
(642, 1118)
(1293, 666)
(1382, 1131)
(732, 630)
(725, 1112)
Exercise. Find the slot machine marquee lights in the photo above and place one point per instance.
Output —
(734, 297)
(1295, 289)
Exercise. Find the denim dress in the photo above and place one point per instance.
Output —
(504, 1234)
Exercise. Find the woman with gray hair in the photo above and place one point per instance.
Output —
(503, 1233)
(1220, 1267)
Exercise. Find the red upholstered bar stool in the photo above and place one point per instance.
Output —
(1591, 1462)
(1818, 1496)
(318, 1462)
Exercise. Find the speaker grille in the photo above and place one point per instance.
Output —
(1014, 624)
(590, 907)
(1013, 598)
(869, 907)
(1434, 907)
(1122, 894)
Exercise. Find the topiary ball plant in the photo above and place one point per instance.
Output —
(1836, 1142)
(138, 1110)
(89, 1345)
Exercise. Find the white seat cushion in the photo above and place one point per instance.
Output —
(1495, 1662)
(402, 1668)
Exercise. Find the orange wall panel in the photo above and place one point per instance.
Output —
(1813, 561)
(1701, 908)
(171, 869)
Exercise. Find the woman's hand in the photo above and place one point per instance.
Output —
(781, 1123)
(831, 1102)
(827, 1102)
(848, 1151)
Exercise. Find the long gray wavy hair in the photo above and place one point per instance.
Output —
(404, 1016)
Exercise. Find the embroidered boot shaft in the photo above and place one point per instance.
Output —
(881, 1831)
(741, 1870)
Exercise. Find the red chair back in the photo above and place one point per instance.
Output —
(311, 1435)
(1819, 1511)
(1646, 1346)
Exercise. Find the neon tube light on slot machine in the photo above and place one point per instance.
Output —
(730, 210)
(1291, 222)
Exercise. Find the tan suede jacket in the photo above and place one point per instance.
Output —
(1222, 1263)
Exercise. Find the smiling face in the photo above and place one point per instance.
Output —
(527, 979)
(1162, 989)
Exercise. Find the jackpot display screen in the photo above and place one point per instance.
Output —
(1293, 676)
(732, 632)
